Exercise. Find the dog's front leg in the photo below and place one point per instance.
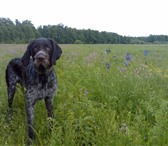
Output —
(30, 119)
(49, 102)
(30, 115)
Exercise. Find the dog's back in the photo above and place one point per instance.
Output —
(13, 76)
(14, 71)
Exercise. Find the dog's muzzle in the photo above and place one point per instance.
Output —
(42, 62)
(41, 57)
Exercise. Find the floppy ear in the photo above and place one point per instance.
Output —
(27, 54)
(56, 52)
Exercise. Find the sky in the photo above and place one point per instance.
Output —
(124, 17)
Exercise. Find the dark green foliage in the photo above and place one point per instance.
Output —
(78, 42)
(18, 32)
(66, 35)
(23, 32)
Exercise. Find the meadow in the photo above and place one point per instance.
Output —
(109, 95)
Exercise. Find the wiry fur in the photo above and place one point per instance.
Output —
(37, 75)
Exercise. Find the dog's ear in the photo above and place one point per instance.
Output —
(56, 52)
(27, 54)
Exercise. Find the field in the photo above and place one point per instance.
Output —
(109, 95)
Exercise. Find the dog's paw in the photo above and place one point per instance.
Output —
(9, 115)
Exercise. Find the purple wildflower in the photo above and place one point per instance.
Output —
(146, 52)
(13, 51)
(128, 56)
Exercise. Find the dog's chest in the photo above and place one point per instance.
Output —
(41, 91)
(45, 87)
(42, 86)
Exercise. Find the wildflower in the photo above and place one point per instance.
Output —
(124, 128)
(146, 52)
(108, 51)
(13, 51)
(86, 92)
(126, 63)
(107, 65)
(128, 56)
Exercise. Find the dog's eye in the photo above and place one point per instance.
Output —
(35, 46)
(48, 49)
(36, 49)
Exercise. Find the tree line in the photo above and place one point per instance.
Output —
(23, 32)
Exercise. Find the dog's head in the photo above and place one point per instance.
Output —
(44, 52)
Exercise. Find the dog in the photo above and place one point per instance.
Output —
(35, 72)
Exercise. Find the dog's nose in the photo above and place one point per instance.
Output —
(40, 58)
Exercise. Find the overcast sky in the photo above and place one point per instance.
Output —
(125, 17)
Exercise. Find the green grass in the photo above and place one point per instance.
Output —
(96, 105)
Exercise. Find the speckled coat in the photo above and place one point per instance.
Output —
(37, 75)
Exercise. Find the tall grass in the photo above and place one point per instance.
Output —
(103, 98)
